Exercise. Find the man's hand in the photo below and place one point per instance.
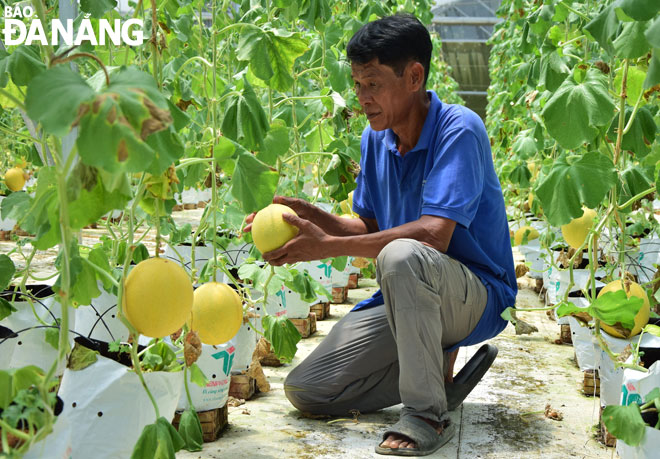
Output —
(309, 244)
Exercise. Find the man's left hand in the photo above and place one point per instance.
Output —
(308, 245)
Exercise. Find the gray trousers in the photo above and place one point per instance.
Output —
(393, 353)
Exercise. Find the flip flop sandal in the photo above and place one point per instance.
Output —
(427, 439)
(469, 376)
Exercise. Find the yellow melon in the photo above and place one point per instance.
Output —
(15, 179)
(532, 233)
(577, 230)
(158, 297)
(217, 313)
(269, 230)
(642, 317)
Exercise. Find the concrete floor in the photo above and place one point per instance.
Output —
(502, 418)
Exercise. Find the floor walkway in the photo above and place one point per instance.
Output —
(502, 418)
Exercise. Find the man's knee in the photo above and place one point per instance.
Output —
(305, 397)
(398, 257)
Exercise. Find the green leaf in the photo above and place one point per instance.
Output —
(197, 376)
(158, 441)
(6, 391)
(92, 202)
(603, 27)
(276, 143)
(97, 8)
(271, 53)
(25, 64)
(526, 144)
(141, 253)
(282, 335)
(128, 126)
(190, 429)
(653, 33)
(4, 68)
(640, 10)
(6, 308)
(570, 185)
(615, 308)
(509, 315)
(84, 287)
(576, 111)
(625, 423)
(642, 132)
(224, 149)
(253, 183)
(65, 90)
(339, 176)
(339, 263)
(632, 182)
(631, 42)
(652, 329)
(99, 258)
(653, 74)
(554, 71)
(7, 270)
(245, 120)
(53, 335)
(634, 83)
(311, 10)
(339, 71)
(81, 357)
(520, 175)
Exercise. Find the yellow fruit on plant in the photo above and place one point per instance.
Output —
(269, 230)
(520, 234)
(158, 297)
(642, 317)
(217, 313)
(530, 200)
(14, 179)
(577, 230)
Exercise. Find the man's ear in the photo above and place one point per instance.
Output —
(416, 75)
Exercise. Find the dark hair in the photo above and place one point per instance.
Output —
(395, 41)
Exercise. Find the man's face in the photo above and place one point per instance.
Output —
(383, 95)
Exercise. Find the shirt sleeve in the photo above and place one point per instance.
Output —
(454, 185)
(362, 202)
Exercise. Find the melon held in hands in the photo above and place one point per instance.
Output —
(269, 230)
(158, 297)
(217, 313)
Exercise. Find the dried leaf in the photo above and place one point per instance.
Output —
(192, 348)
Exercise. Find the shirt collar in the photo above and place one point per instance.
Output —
(389, 139)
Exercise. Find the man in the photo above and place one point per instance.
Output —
(432, 213)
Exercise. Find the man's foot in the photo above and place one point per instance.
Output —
(415, 436)
(396, 441)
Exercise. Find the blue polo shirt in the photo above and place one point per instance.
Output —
(450, 174)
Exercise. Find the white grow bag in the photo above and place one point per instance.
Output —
(109, 407)
(30, 347)
(216, 363)
(98, 320)
(587, 352)
(634, 389)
